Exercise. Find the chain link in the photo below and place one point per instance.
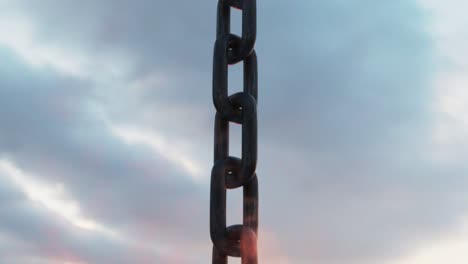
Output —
(241, 108)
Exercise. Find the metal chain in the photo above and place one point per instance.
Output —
(241, 108)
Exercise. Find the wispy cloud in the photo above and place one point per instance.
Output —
(17, 34)
(52, 197)
(162, 146)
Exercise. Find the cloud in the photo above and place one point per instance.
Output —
(448, 247)
(34, 235)
(51, 197)
(135, 136)
(115, 104)
(50, 130)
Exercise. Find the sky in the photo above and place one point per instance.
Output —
(106, 131)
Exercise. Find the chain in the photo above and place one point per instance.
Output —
(241, 108)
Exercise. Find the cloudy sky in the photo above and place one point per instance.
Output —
(106, 131)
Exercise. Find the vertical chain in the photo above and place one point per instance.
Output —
(230, 172)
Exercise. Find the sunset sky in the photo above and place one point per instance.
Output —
(106, 131)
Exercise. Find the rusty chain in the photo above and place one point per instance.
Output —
(241, 108)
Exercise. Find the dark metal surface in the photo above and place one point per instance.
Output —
(241, 108)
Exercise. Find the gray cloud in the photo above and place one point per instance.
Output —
(345, 125)
(32, 235)
(47, 130)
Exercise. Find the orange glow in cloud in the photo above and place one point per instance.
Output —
(270, 248)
